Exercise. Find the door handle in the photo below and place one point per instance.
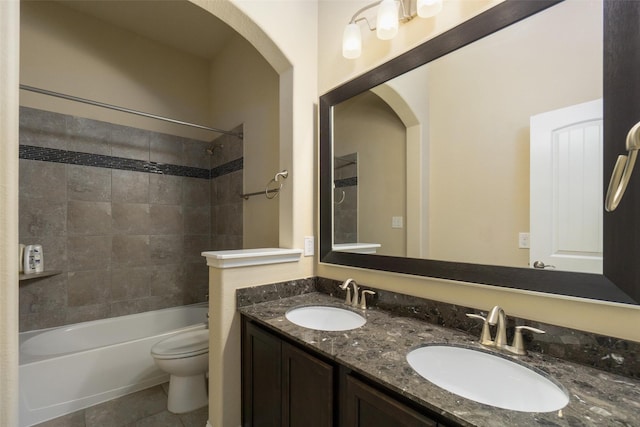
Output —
(541, 265)
(622, 170)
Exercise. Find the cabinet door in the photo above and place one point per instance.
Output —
(307, 398)
(365, 406)
(261, 378)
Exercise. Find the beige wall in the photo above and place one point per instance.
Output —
(285, 33)
(9, 70)
(70, 52)
(368, 126)
(610, 319)
(254, 103)
(479, 113)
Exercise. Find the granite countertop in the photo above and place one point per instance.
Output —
(378, 349)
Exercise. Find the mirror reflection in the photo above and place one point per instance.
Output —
(489, 155)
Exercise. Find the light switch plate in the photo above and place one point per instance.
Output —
(396, 222)
(523, 240)
(309, 246)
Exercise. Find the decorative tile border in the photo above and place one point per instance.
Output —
(227, 168)
(346, 182)
(30, 152)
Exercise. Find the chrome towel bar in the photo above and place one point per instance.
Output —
(270, 193)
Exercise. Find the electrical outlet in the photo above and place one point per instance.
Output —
(523, 240)
(309, 246)
(396, 222)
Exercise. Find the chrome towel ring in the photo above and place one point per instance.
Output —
(274, 180)
(270, 193)
(622, 170)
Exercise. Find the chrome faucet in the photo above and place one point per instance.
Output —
(498, 318)
(350, 300)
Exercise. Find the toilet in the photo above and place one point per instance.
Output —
(185, 357)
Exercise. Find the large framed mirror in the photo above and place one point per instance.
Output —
(486, 151)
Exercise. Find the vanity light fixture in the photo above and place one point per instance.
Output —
(390, 13)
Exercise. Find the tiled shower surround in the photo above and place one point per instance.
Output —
(124, 213)
(345, 195)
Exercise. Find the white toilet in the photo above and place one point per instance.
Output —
(185, 356)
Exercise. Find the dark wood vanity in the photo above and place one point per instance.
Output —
(285, 384)
(294, 375)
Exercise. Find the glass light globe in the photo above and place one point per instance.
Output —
(428, 8)
(387, 20)
(351, 41)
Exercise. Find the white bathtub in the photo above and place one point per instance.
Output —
(72, 367)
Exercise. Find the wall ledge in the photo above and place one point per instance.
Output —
(249, 257)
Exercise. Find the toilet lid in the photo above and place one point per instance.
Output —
(185, 344)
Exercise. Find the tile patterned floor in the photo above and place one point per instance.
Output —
(146, 408)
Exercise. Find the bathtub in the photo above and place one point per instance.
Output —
(65, 369)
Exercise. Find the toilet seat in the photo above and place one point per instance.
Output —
(185, 344)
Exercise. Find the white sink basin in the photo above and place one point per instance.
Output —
(324, 318)
(488, 379)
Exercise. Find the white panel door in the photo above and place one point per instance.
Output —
(566, 188)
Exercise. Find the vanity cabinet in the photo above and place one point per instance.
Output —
(365, 406)
(284, 384)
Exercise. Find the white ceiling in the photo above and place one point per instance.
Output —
(176, 23)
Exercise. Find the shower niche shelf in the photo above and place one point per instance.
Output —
(30, 276)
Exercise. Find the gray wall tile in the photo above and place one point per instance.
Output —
(43, 180)
(88, 287)
(196, 192)
(129, 251)
(87, 252)
(167, 279)
(43, 128)
(197, 220)
(88, 218)
(130, 218)
(165, 189)
(125, 241)
(166, 249)
(166, 149)
(130, 283)
(88, 183)
(130, 143)
(129, 187)
(40, 217)
(195, 153)
(43, 296)
(194, 246)
(166, 219)
(85, 313)
(86, 137)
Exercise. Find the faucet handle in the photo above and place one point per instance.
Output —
(485, 337)
(518, 342)
(476, 316)
(363, 299)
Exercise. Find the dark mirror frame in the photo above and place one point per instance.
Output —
(621, 279)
